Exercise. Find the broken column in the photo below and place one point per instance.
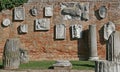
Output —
(11, 56)
(93, 43)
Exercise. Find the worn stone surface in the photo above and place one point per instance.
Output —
(24, 57)
(11, 56)
(34, 11)
(60, 31)
(42, 24)
(19, 13)
(49, 10)
(23, 28)
(108, 29)
(76, 31)
(107, 66)
(6, 22)
(113, 51)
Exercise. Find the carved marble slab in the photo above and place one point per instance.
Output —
(42, 24)
(19, 13)
(49, 10)
(60, 31)
(6, 22)
(108, 29)
(75, 10)
(76, 31)
(24, 28)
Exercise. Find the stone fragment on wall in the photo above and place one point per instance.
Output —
(108, 29)
(19, 13)
(6, 22)
(23, 28)
(49, 10)
(102, 12)
(60, 31)
(76, 31)
(34, 11)
(75, 10)
(42, 24)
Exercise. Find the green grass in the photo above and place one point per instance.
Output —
(78, 65)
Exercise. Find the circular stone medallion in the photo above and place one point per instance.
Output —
(6, 22)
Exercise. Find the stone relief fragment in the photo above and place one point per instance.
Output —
(19, 13)
(34, 11)
(49, 11)
(42, 24)
(60, 31)
(102, 12)
(6, 22)
(75, 10)
(108, 29)
(76, 31)
(24, 28)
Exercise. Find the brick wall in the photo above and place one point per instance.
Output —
(42, 45)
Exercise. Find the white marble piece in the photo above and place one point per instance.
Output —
(19, 13)
(49, 11)
(60, 31)
(76, 31)
(6, 22)
(42, 24)
(24, 28)
(108, 29)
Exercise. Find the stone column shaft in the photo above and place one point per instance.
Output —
(93, 43)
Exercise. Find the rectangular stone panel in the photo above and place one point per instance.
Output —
(49, 11)
(19, 13)
(42, 24)
(60, 31)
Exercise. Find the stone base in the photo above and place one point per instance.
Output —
(93, 58)
(62, 64)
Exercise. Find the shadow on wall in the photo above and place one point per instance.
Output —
(83, 46)
(101, 36)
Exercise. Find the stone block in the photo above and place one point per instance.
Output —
(62, 64)
(42, 24)
(19, 13)
(60, 31)
(76, 31)
(49, 10)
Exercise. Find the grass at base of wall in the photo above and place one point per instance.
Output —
(77, 65)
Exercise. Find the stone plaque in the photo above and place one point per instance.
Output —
(6, 22)
(24, 28)
(76, 31)
(102, 12)
(19, 13)
(42, 24)
(49, 11)
(60, 31)
(108, 29)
